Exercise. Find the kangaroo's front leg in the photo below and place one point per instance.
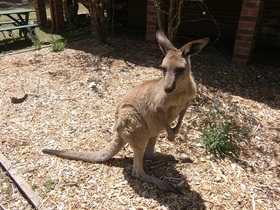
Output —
(176, 128)
(170, 132)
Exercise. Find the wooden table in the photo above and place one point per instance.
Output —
(18, 19)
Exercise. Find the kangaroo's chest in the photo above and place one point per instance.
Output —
(177, 103)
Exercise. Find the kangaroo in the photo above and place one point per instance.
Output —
(148, 109)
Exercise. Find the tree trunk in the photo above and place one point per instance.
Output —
(169, 17)
(99, 24)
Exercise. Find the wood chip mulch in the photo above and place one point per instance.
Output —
(66, 100)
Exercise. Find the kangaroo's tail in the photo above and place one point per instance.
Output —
(105, 154)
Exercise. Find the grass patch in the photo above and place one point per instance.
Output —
(50, 185)
(223, 129)
(58, 45)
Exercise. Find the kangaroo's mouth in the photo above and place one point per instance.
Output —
(170, 88)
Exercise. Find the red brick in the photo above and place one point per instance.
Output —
(253, 12)
(247, 25)
(151, 19)
(243, 44)
(250, 4)
(151, 8)
(242, 24)
(245, 51)
(151, 13)
(245, 12)
(151, 27)
(248, 38)
(248, 18)
(245, 32)
(239, 37)
(251, 25)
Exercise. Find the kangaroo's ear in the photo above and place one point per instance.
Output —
(194, 47)
(164, 44)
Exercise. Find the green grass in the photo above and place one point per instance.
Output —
(58, 45)
(49, 185)
(223, 129)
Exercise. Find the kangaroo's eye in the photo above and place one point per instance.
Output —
(180, 70)
(163, 69)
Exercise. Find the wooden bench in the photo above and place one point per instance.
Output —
(7, 22)
(11, 28)
(19, 20)
(27, 29)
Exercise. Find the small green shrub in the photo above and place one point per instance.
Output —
(49, 185)
(58, 45)
(7, 190)
(222, 131)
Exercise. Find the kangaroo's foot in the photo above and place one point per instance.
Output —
(166, 157)
(161, 184)
(139, 172)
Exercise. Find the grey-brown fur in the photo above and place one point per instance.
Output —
(148, 109)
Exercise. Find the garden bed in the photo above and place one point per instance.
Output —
(61, 111)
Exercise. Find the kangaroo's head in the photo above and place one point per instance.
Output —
(176, 65)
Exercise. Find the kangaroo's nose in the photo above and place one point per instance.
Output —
(168, 89)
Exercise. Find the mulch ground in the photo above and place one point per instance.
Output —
(71, 98)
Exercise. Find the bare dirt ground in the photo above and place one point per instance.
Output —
(62, 111)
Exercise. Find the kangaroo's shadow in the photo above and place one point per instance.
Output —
(189, 199)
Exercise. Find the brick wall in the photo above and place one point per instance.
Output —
(241, 23)
(246, 32)
(196, 23)
(197, 19)
(151, 24)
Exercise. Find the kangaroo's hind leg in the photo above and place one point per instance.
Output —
(139, 172)
(150, 153)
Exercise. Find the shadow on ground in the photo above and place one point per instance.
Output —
(14, 45)
(190, 198)
(259, 81)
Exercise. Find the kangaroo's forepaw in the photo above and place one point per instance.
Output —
(171, 136)
(175, 129)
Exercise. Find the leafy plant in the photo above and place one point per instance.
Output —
(50, 185)
(222, 132)
(34, 187)
(7, 190)
(58, 45)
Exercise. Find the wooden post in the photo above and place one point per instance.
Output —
(22, 185)
(41, 14)
(53, 16)
(58, 8)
